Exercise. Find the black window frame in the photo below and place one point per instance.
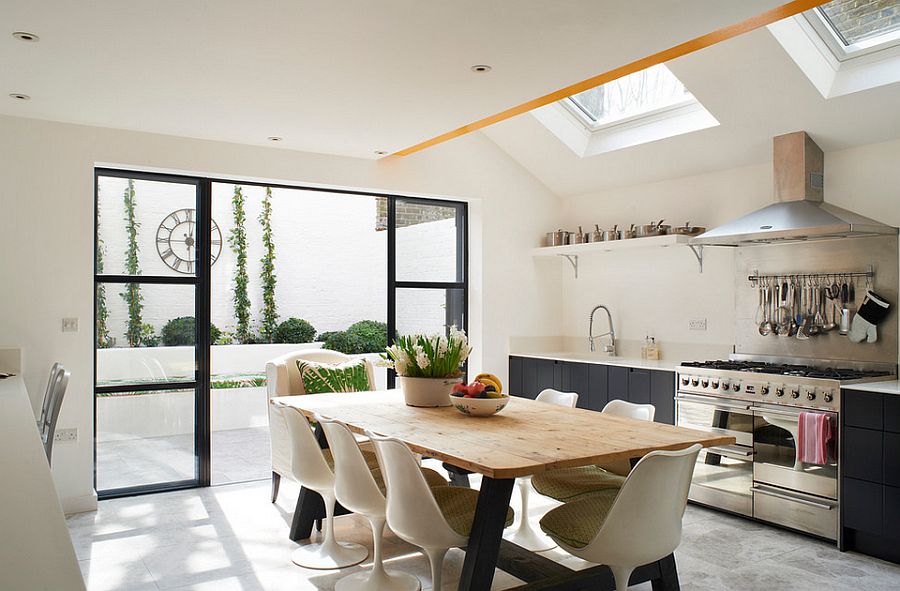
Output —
(201, 280)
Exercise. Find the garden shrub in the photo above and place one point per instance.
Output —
(180, 331)
(365, 336)
(294, 330)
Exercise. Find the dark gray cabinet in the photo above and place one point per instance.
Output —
(595, 383)
(870, 461)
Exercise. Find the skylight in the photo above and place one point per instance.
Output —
(636, 94)
(861, 24)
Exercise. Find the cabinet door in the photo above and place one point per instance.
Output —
(598, 390)
(560, 376)
(863, 454)
(892, 512)
(662, 395)
(862, 506)
(529, 377)
(892, 459)
(516, 386)
(546, 375)
(863, 409)
(618, 383)
(892, 414)
(639, 386)
(575, 379)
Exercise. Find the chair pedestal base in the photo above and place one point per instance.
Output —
(529, 538)
(327, 556)
(378, 581)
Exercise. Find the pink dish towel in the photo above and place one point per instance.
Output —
(815, 434)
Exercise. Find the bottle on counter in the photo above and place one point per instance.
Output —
(652, 350)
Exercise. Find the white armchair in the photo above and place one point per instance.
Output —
(283, 379)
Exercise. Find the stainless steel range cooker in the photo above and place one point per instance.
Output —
(758, 401)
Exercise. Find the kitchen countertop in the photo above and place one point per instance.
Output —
(574, 357)
(37, 551)
(890, 387)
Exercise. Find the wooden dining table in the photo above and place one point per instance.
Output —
(526, 438)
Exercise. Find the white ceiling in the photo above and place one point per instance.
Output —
(340, 77)
(755, 90)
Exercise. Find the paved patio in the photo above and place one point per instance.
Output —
(238, 455)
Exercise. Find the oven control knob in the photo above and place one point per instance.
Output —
(810, 395)
(695, 381)
(715, 384)
(828, 397)
(779, 391)
(704, 382)
(685, 381)
(795, 393)
(736, 387)
(763, 390)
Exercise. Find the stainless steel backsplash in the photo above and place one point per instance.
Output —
(827, 256)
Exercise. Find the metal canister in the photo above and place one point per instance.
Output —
(579, 237)
(597, 234)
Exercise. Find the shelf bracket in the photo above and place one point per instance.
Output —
(697, 249)
(573, 260)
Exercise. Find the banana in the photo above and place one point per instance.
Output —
(490, 379)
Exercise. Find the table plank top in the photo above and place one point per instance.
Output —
(527, 437)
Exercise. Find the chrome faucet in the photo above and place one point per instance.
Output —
(611, 347)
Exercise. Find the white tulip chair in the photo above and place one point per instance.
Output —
(525, 535)
(310, 469)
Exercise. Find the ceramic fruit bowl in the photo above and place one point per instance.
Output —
(478, 407)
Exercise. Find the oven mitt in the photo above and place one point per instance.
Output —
(873, 310)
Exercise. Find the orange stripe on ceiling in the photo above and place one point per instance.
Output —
(723, 34)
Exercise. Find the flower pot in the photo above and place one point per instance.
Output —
(427, 391)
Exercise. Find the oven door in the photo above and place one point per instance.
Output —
(777, 456)
(723, 476)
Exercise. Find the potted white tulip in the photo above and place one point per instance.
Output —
(428, 366)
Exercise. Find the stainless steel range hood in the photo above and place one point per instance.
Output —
(799, 212)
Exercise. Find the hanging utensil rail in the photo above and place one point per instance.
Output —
(869, 275)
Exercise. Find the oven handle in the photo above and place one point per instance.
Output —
(786, 413)
(716, 403)
(735, 452)
(787, 497)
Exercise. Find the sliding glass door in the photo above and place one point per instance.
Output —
(200, 281)
(150, 397)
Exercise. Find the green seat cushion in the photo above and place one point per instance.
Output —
(566, 484)
(577, 522)
(458, 504)
(349, 376)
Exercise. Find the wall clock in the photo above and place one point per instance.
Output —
(175, 241)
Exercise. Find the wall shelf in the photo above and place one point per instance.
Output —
(571, 252)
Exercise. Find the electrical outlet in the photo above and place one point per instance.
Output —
(697, 324)
(70, 325)
(66, 435)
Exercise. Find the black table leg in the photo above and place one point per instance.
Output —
(310, 508)
(668, 580)
(487, 532)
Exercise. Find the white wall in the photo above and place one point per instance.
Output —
(662, 296)
(46, 236)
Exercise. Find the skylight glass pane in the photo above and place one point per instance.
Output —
(642, 92)
(855, 21)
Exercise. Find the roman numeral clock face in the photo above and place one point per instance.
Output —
(176, 243)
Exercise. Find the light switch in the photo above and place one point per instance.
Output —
(70, 325)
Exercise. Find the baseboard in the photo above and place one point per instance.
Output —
(82, 504)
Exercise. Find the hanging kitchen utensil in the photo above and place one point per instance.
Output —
(766, 328)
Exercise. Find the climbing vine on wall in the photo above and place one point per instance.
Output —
(132, 294)
(237, 239)
(103, 339)
(267, 273)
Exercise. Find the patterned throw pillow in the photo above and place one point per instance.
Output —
(350, 376)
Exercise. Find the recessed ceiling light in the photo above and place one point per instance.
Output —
(481, 68)
(380, 152)
(274, 138)
(19, 96)
(25, 36)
